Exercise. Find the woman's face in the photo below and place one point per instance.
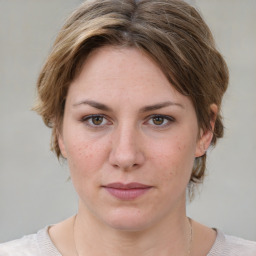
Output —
(130, 140)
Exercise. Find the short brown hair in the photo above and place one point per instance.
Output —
(170, 31)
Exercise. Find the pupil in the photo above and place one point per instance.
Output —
(97, 120)
(158, 120)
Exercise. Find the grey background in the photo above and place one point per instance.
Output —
(34, 186)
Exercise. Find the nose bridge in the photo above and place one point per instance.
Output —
(125, 151)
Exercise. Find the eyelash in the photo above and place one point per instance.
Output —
(166, 121)
(88, 120)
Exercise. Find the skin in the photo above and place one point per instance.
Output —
(143, 131)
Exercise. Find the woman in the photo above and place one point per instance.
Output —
(132, 91)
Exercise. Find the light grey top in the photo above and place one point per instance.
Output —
(40, 244)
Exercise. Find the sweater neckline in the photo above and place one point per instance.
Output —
(47, 247)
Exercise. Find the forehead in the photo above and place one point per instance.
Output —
(122, 73)
(114, 61)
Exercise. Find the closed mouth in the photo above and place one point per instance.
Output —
(128, 191)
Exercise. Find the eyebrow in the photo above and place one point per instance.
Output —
(94, 104)
(148, 108)
(160, 105)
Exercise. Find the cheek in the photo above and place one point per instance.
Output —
(85, 160)
(175, 158)
(85, 156)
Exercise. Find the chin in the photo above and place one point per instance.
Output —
(128, 220)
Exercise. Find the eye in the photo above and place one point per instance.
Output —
(95, 120)
(160, 120)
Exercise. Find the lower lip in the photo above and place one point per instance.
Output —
(127, 194)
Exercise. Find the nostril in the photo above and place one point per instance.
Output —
(127, 168)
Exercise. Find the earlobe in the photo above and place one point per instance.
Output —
(62, 145)
(206, 136)
(203, 143)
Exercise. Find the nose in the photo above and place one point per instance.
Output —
(126, 152)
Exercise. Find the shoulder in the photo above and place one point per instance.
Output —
(226, 245)
(27, 245)
(38, 244)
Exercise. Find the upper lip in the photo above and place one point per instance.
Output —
(132, 185)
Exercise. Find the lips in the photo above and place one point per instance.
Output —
(128, 191)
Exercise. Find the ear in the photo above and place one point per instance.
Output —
(62, 145)
(205, 137)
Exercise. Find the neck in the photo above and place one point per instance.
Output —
(170, 237)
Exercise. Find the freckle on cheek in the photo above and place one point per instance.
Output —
(80, 151)
(173, 173)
